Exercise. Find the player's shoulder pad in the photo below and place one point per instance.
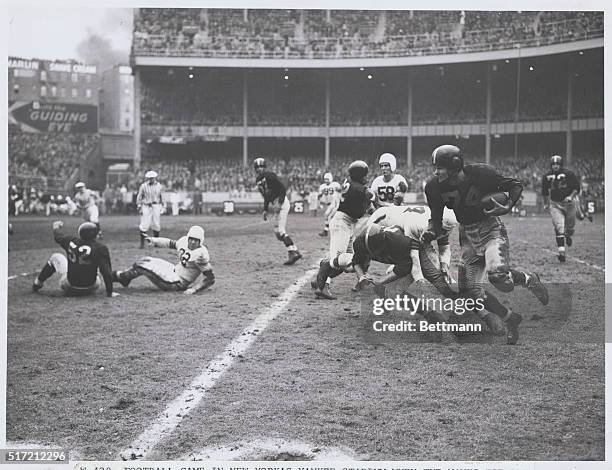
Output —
(480, 169)
(432, 182)
(182, 242)
(202, 252)
(378, 180)
(346, 185)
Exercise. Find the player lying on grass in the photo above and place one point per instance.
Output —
(185, 275)
(485, 249)
(78, 270)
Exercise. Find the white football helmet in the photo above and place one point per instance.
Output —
(328, 178)
(196, 232)
(388, 158)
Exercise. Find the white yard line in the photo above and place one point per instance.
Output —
(577, 260)
(571, 258)
(191, 397)
(15, 276)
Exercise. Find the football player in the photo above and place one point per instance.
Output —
(87, 203)
(328, 191)
(78, 270)
(389, 188)
(354, 201)
(584, 203)
(559, 188)
(483, 238)
(427, 264)
(193, 260)
(275, 194)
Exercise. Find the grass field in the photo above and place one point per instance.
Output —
(93, 374)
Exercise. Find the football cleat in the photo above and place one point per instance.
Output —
(561, 257)
(535, 286)
(568, 240)
(494, 324)
(36, 285)
(323, 233)
(294, 256)
(324, 293)
(380, 290)
(118, 275)
(512, 323)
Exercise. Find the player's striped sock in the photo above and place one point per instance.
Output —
(46, 272)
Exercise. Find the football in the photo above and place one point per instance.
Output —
(486, 202)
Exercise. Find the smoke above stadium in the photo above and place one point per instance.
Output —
(98, 46)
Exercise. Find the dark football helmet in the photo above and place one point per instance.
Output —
(358, 170)
(88, 231)
(447, 156)
(556, 160)
(259, 163)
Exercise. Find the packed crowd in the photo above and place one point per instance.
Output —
(350, 33)
(47, 157)
(303, 173)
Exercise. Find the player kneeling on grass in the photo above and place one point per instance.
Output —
(78, 270)
(185, 275)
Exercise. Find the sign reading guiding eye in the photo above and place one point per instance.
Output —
(34, 116)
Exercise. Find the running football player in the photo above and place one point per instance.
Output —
(328, 191)
(482, 235)
(78, 269)
(389, 188)
(193, 260)
(559, 188)
(354, 201)
(275, 194)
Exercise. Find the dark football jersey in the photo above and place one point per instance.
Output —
(464, 197)
(390, 246)
(84, 260)
(559, 185)
(354, 199)
(270, 188)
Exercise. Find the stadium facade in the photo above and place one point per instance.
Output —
(523, 82)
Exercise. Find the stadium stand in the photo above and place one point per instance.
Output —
(46, 160)
(356, 33)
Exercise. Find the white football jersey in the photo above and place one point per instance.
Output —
(385, 190)
(414, 220)
(191, 262)
(85, 199)
(329, 191)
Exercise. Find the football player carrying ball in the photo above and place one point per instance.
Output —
(482, 235)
